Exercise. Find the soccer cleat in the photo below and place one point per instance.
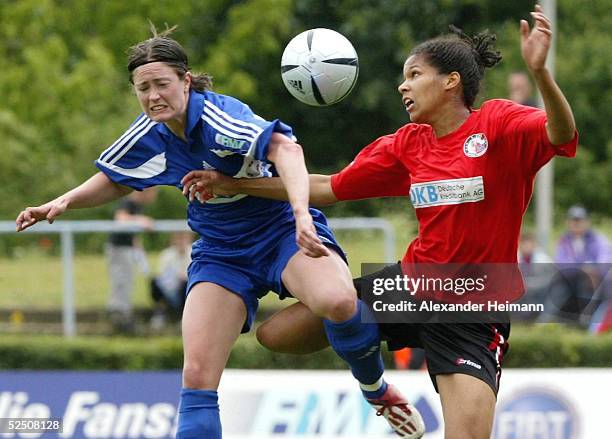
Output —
(403, 417)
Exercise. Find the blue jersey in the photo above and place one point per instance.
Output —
(223, 134)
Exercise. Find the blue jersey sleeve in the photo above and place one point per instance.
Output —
(232, 128)
(137, 159)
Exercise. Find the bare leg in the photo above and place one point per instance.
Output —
(324, 285)
(468, 405)
(212, 322)
(293, 330)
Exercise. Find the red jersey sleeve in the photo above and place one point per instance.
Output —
(375, 172)
(526, 127)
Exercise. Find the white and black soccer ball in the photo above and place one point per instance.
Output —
(319, 67)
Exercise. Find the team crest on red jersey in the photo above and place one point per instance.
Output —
(475, 145)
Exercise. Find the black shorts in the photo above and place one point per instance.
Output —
(475, 349)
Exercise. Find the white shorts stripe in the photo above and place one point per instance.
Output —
(498, 354)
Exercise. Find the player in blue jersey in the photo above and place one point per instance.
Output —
(247, 245)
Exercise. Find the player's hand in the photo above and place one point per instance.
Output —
(32, 215)
(536, 42)
(306, 237)
(203, 185)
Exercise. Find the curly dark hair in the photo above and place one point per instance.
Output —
(458, 52)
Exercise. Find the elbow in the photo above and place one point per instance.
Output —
(283, 148)
(562, 132)
(561, 138)
(290, 150)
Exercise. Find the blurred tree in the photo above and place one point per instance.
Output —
(66, 94)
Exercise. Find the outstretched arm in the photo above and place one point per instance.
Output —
(96, 191)
(535, 44)
(205, 184)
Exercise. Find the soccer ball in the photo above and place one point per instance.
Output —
(319, 67)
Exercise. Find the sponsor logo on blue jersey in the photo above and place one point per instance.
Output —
(536, 414)
(229, 142)
(444, 192)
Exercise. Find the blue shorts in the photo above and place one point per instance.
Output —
(251, 271)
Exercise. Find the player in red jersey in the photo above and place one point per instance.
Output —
(470, 177)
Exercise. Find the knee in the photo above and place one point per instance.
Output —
(196, 375)
(269, 338)
(338, 305)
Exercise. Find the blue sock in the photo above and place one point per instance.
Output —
(358, 344)
(198, 415)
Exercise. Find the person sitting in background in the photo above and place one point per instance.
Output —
(580, 255)
(520, 89)
(124, 253)
(536, 268)
(169, 285)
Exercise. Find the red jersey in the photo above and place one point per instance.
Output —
(469, 188)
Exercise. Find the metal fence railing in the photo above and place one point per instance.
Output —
(67, 230)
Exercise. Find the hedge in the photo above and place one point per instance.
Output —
(538, 346)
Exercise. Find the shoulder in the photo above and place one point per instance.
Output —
(598, 236)
(505, 107)
(142, 128)
(391, 144)
(496, 104)
(564, 239)
(223, 102)
(413, 130)
(142, 137)
(409, 134)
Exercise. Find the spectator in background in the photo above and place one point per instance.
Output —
(529, 252)
(125, 254)
(581, 244)
(536, 267)
(520, 89)
(580, 255)
(169, 285)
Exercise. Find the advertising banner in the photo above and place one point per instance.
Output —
(532, 404)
